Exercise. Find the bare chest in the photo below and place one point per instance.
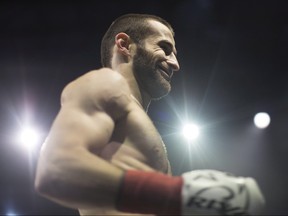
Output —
(136, 144)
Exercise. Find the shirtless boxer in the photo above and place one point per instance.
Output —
(103, 154)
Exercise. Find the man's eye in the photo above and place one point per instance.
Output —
(167, 50)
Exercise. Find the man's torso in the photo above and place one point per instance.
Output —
(135, 144)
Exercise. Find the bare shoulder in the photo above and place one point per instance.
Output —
(103, 90)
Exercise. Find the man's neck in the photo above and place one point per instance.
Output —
(137, 94)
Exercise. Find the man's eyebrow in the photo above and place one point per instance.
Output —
(168, 43)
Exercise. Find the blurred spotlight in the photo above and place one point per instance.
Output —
(29, 137)
(190, 131)
(261, 120)
(11, 214)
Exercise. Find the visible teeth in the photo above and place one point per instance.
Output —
(165, 75)
(165, 71)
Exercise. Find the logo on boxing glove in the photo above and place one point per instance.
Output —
(217, 193)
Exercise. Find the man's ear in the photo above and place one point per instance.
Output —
(122, 41)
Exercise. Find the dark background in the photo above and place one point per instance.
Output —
(233, 57)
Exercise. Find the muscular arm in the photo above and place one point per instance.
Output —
(68, 172)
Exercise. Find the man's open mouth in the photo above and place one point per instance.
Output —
(166, 73)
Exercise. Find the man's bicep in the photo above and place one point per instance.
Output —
(73, 127)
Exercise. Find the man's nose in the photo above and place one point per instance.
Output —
(173, 62)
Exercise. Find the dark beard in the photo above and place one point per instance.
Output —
(147, 76)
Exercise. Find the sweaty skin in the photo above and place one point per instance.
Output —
(101, 130)
(85, 124)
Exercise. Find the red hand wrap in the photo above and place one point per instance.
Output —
(150, 193)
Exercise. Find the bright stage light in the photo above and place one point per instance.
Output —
(11, 214)
(29, 137)
(262, 120)
(190, 131)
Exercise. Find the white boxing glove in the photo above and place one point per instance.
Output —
(212, 192)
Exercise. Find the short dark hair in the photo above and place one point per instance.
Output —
(134, 25)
